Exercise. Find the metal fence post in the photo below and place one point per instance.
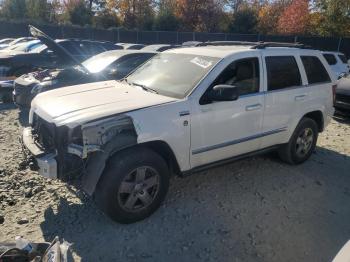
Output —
(339, 43)
(62, 32)
(295, 39)
(118, 35)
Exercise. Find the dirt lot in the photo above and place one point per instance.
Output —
(258, 209)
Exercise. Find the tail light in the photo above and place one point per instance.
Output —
(334, 87)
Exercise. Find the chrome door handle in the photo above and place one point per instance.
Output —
(253, 107)
(300, 98)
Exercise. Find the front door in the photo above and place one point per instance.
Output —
(221, 130)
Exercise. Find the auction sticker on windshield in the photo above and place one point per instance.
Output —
(201, 62)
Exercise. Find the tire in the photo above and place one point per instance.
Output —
(300, 147)
(121, 183)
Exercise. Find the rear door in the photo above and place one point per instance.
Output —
(319, 82)
(286, 94)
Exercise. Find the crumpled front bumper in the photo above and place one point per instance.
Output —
(45, 160)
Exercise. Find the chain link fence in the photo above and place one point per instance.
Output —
(8, 29)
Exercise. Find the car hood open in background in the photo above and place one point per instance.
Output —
(62, 53)
(74, 106)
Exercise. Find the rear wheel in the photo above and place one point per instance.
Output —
(133, 185)
(301, 144)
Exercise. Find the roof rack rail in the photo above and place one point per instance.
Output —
(254, 45)
(261, 45)
(228, 43)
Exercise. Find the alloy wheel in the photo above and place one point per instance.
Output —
(304, 142)
(139, 189)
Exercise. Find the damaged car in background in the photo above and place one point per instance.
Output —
(182, 111)
(342, 97)
(115, 64)
(49, 55)
(8, 42)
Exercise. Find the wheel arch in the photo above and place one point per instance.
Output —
(317, 116)
(98, 160)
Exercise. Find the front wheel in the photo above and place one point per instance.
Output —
(301, 144)
(133, 185)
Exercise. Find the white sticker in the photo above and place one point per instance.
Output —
(201, 62)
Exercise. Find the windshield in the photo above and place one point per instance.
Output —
(173, 75)
(99, 62)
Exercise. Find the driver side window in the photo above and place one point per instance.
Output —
(243, 73)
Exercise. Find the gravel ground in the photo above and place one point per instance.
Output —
(258, 209)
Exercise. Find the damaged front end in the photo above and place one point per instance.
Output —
(80, 152)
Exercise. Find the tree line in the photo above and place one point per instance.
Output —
(287, 17)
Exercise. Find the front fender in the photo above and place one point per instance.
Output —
(97, 160)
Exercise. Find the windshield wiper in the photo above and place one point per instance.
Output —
(146, 88)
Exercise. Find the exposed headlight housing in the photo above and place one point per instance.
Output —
(38, 87)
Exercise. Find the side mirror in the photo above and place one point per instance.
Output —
(223, 93)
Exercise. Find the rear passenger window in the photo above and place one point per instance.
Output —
(330, 59)
(282, 72)
(343, 59)
(315, 71)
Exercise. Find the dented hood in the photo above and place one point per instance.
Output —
(79, 104)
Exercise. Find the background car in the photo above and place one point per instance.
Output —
(16, 41)
(337, 62)
(52, 54)
(132, 46)
(5, 41)
(6, 88)
(342, 97)
(109, 65)
(159, 48)
(22, 47)
(191, 43)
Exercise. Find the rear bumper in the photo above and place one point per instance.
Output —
(46, 161)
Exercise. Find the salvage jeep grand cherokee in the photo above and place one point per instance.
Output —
(184, 110)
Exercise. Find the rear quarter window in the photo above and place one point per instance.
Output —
(330, 59)
(343, 59)
(282, 72)
(315, 71)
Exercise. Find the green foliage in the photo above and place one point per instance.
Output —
(14, 9)
(77, 13)
(38, 10)
(105, 19)
(334, 17)
(244, 21)
(315, 17)
(166, 21)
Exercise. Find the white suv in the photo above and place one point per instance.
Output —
(184, 110)
(337, 62)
